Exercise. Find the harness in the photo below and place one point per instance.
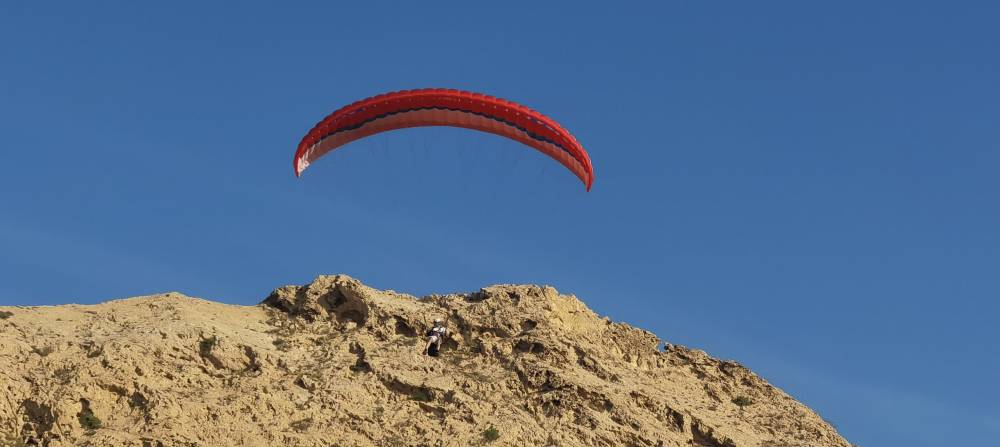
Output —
(437, 330)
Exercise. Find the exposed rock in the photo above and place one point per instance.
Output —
(338, 363)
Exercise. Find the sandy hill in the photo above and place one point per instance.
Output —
(337, 363)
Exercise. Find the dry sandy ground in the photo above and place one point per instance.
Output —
(337, 363)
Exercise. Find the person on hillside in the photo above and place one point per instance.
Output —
(434, 338)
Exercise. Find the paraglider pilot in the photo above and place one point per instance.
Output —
(434, 338)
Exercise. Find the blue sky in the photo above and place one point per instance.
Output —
(807, 188)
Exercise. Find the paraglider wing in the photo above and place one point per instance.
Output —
(444, 107)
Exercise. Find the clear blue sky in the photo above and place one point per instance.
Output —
(808, 188)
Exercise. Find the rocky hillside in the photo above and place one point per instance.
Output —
(337, 363)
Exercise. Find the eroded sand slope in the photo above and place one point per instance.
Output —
(336, 363)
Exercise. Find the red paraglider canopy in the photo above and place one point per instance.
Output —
(444, 107)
